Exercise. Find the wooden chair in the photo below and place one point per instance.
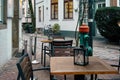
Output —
(58, 48)
(62, 48)
(25, 70)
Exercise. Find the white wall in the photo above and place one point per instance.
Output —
(107, 3)
(6, 37)
(6, 43)
(3, 47)
(66, 24)
(118, 2)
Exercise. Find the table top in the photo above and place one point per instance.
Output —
(49, 41)
(46, 41)
(65, 65)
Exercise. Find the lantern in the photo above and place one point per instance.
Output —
(80, 56)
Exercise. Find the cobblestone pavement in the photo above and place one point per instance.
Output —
(101, 48)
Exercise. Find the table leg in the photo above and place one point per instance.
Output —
(44, 58)
(64, 77)
(79, 77)
(93, 77)
(52, 77)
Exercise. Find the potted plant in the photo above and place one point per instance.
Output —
(56, 28)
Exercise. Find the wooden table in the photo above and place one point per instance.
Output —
(65, 65)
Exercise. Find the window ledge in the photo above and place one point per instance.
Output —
(68, 19)
(54, 20)
(3, 26)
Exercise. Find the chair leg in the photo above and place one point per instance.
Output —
(93, 77)
(18, 77)
(64, 77)
(44, 57)
(42, 54)
(119, 62)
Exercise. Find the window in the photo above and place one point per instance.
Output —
(23, 11)
(39, 12)
(54, 9)
(28, 13)
(68, 9)
(1, 11)
(101, 5)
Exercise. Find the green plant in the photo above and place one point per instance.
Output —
(28, 27)
(107, 22)
(56, 28)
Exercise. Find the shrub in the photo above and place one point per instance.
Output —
(106, 20)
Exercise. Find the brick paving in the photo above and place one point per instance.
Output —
(101, 48)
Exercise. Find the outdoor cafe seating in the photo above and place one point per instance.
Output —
(48, 42)
(58, 48)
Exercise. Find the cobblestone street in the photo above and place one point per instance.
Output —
(101, 48)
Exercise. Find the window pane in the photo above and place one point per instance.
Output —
(66, 10)
(71, 5)
(52, 12)
(71, 15)
(56, 11)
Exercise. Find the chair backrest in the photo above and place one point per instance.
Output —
(24, 66)
(63, 51)
(58, 37)
(62, 43)
(62, 48)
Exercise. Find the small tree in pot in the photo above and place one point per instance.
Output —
(56, 28)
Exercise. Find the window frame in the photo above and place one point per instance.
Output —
(39, 13)
(54, 14)
(68, 13)
(1, 11)
(4, 21)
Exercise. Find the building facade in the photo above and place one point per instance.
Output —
(112, 3)
(10, 29)
(63, 12)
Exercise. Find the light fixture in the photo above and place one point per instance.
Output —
(118, 23)
(80, 57)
